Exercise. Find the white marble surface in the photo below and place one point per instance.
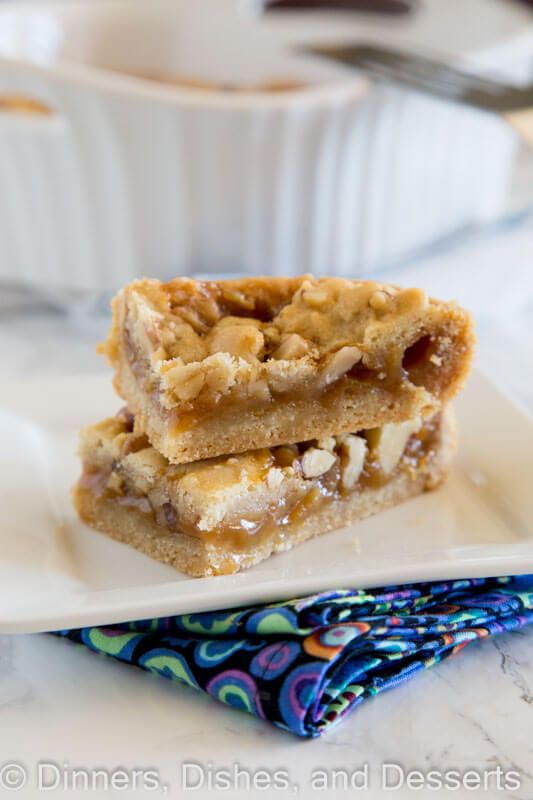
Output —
(59, 703)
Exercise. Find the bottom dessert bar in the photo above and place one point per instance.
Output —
(217, 516)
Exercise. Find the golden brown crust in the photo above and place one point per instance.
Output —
(220, 367)
(205, 493)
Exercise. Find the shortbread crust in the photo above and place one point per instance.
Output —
(211, 368)
(220, 515)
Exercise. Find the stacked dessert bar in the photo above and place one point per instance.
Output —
(263, 411)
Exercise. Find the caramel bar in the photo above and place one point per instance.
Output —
(216, 516)
(219, 367)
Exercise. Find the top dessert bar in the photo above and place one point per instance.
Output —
(219, 367)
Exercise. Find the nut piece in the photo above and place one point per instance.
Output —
(316, 298)
(316, 462)
(388, 442)
(339, 363)
(354, 449)
(274, 478)
(188, 381)
(328, 443)
(259, 390)
(245, 341)
(294, 346)
(412, 300)
(380, 301)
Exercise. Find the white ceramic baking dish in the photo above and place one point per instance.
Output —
(129, 176)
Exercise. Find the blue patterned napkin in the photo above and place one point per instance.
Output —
(306, 663)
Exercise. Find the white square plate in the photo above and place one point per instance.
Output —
(55, 572)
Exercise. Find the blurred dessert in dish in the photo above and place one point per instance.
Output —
(21, 103)
(196, 82)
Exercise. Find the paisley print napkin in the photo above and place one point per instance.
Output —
(304, 664)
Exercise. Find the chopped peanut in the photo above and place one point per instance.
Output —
(339, 363)
(274, 478)
(380, 301)
(388, 442)
(294, 346)
(245, 341)
(189, 380)
(354, 448)
(316, 462)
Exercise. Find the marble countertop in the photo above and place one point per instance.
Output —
(61, 704)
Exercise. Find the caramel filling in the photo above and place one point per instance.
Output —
(418, 365)
(313, 492)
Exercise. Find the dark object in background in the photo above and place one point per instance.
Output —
(369, 6)
(514, 103)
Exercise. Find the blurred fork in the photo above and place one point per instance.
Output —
(514, 103)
